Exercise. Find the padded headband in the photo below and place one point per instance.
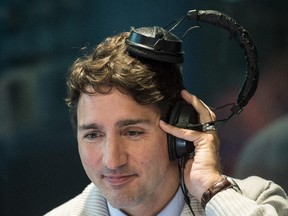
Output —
(246, 43)
(158, 44)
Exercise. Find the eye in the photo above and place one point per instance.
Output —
(93, 135)
(134, 134)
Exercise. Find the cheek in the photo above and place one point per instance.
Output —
(88, 156)
(163, 144)
(159, 149)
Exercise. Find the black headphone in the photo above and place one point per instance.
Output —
(158, 44)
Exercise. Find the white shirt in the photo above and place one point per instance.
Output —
(173, 208)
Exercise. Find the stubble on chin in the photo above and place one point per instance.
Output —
(124, 198)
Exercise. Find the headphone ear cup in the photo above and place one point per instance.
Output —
(181, 114)
(155, 43)
(153, 55)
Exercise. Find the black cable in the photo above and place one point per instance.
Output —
(184, 189)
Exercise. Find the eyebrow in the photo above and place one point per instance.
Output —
(121, 123)
(128, 122)
(88, 127)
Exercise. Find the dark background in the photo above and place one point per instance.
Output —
(39, 40)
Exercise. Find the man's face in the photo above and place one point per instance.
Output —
(123, 150)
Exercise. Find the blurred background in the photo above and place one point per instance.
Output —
(39, 40)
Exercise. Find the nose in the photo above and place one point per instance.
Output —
(114, 154)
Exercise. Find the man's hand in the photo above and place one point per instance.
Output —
(203, 169)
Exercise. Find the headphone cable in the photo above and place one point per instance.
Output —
(184, 189)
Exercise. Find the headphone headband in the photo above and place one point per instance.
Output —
(246, 43)
(159, 44)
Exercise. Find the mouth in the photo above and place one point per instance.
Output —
(119, 180)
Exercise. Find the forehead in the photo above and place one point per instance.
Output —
(112, 106)
(106, 96)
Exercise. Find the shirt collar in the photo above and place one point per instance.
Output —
(173, 208)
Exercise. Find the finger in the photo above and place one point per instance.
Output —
(189, 135)
(204, 112)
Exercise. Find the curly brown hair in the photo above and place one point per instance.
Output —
(110, 65)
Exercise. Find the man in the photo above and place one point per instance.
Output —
(119, 106)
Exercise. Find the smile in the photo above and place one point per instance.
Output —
(119, 180)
